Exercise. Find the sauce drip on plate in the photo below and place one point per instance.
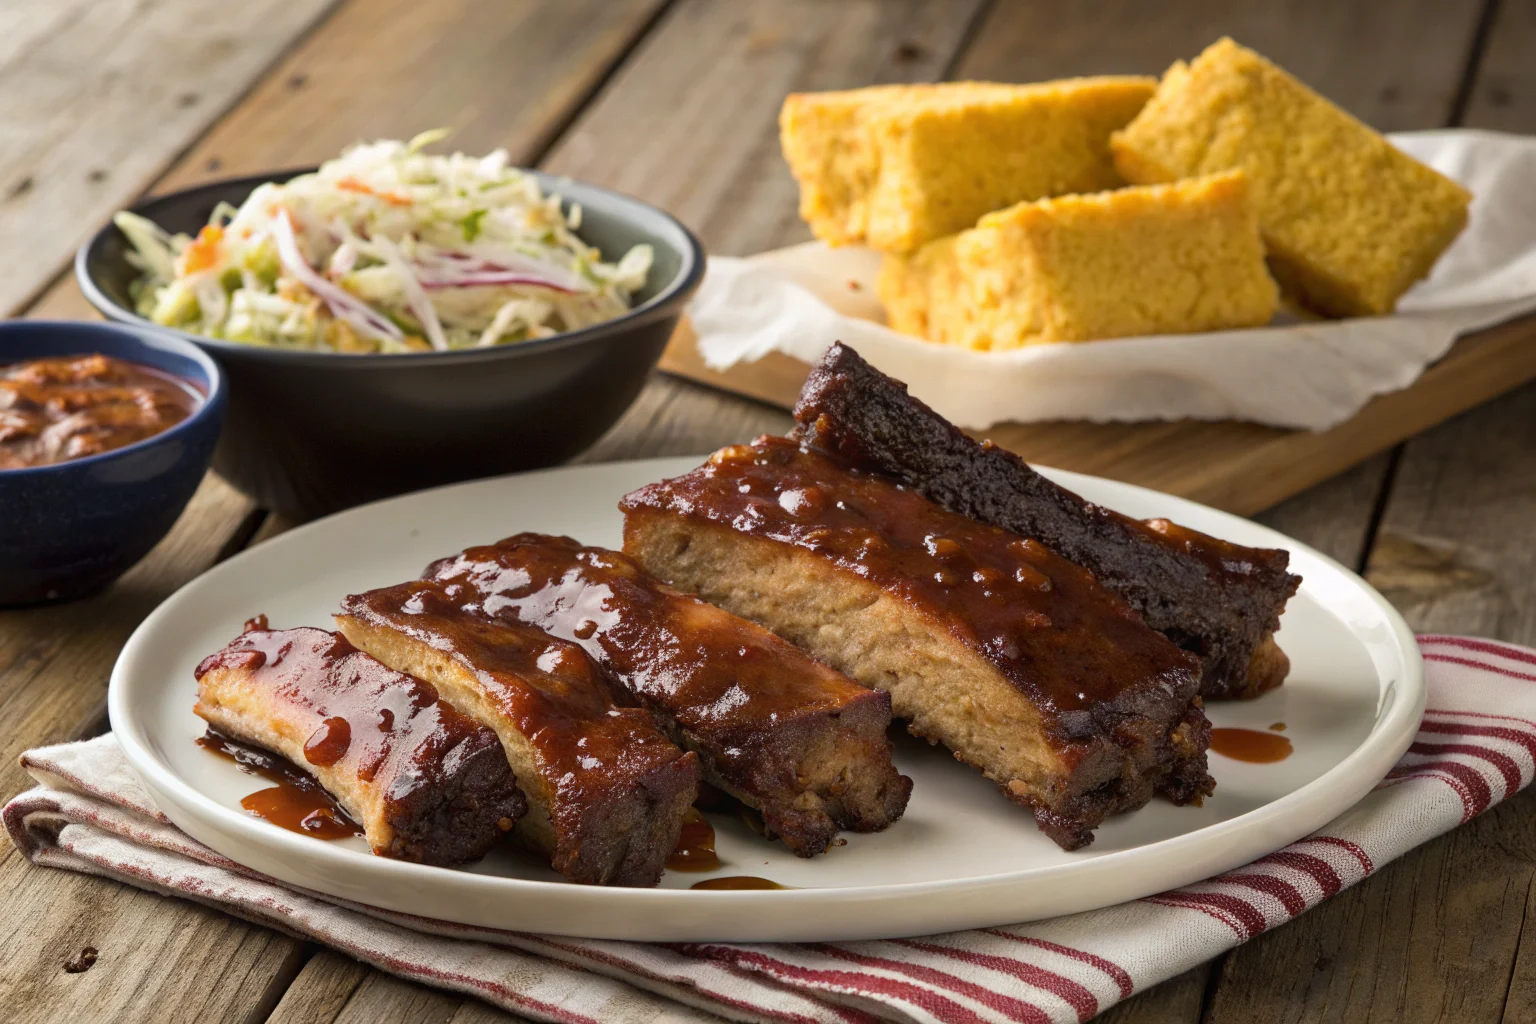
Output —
(1251, 745)
(696, 846)
(296, 802)
(737, 882)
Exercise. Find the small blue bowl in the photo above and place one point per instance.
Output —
(71, 528)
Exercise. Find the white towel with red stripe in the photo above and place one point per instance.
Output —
(1477, 746)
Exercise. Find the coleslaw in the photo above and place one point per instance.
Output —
(385, 249)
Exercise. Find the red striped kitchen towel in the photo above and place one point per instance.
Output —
(1477, 746)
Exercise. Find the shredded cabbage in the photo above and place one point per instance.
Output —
(385, 249)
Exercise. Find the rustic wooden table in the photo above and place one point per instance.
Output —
(102, 100)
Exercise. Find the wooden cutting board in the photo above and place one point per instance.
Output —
(1241, 467)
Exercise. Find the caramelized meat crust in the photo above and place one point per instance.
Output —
(1016, 659)
(1221, 601)
(606, 789)
(781, 732)
(426, 783)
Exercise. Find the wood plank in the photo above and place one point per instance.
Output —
(96, 98)
(321, 990)
(382, 997)
(156, 959)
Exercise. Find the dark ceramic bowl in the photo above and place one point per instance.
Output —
(73, 527)
(312, 432)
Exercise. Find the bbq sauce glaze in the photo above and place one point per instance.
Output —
(359, 718)
(587, 744)
(1044, 622)
(707, 668)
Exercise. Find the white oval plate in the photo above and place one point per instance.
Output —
(961, 857)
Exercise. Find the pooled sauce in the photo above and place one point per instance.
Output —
(1251, 745)
(737, 882)
(296, 802)
(696, 846)
(307, 811)
(1277, 727)
(55, 410)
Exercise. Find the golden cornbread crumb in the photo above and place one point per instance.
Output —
(893, 167)
(1160, 259)
(1351, 222)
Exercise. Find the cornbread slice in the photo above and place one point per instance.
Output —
(1015, 659)
(1164, 259)
(893, 167)
(1219, 600)
(426, 783)
(774, 728)
(606, 790)
(1350, 220)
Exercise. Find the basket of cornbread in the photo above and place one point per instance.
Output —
(1218, 234)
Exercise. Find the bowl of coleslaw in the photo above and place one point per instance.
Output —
(398, 319)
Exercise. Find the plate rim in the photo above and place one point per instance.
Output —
(1399, 712)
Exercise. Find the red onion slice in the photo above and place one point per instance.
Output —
(344, 306)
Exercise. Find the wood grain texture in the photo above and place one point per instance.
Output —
(321, 989)
(158, 960)
(381, 997)
(96, 98)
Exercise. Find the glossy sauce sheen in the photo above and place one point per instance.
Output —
(296, 803)
(54, 410)
(696, 846)
(705, 667)
(549, 689)
(737, 882)
(1045, 623)
(359, 713)
(1251, 745)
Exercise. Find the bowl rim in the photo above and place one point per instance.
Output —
(212, 403)
(684, 282)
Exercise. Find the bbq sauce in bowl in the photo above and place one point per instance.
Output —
(71, 407)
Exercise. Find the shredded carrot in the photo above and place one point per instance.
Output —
(353, 185)
(204, 250)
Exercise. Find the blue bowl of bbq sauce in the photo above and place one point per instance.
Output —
(69, 528)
